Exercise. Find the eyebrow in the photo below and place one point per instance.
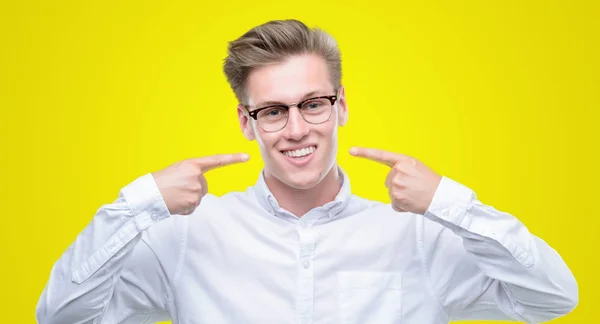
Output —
(272, 103)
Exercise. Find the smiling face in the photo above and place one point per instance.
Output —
(300, 154)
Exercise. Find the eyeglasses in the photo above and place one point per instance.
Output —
(275, 117)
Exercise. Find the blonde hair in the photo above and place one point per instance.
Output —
(274, 42)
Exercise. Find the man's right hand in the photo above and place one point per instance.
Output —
(182, 185)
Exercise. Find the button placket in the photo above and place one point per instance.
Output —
(305, 297)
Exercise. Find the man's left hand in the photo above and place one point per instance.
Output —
(411, 184)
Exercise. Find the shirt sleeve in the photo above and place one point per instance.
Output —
(484, 264)
(110, 274)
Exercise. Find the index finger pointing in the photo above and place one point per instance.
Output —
(377, 155)
(219, 160)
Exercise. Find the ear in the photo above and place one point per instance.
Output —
(342, 107)
(245, 122)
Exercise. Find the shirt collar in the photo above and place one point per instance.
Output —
(331, 209)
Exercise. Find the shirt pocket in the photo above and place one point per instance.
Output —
(369, 297)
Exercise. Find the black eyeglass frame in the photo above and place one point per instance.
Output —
(254, 113)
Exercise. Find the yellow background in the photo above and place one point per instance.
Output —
(501, 96)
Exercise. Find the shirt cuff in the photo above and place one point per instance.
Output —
(146, 202)
(450, 202)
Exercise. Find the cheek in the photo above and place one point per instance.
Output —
(328, 137)
(265, 143)
(330, 131)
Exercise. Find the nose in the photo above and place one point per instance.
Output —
(296, 127)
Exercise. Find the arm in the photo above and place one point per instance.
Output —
(109, 273)
(484, 264)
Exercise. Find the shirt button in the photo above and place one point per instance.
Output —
(306, 264)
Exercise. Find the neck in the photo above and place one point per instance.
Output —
(301, 201)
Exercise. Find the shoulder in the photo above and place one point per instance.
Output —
(374, 211)
(212, 205)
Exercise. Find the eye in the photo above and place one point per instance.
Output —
(272, 113)
(314, 104)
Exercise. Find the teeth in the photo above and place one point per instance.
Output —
(301, 152)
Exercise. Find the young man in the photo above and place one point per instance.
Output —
(298, 247)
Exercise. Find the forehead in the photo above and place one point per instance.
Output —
(290, 80)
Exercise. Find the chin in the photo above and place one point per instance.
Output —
(302, 180)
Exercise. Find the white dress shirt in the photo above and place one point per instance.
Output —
(240, 258)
